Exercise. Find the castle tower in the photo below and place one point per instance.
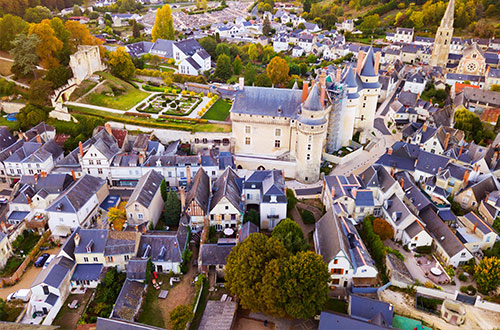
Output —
(311, 127)
(350, 104)
(369, 92)
(444, 35)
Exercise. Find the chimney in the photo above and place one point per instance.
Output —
(188, 175)
(305, 90)
(77, 239)
(402, 182)
(43, 174)
(38, 138)
(175, 244)
(141, 158)
(389, 151)
(322, 85)
(466, 177)
(28, 198)
(80, 145)
(36, 178)
(73, 174)
(338, 77)
(446, 140)
(377, 61)
(183, 198)
(354, 192)
(333, 192)
(243, 198)
(107, 126)
(475, 226)
(361, 56)
(241, 84)
(199, 158)
(461, 149)
(424, 127)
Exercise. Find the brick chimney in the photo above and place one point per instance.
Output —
(305, 90)
(446, 140)
(73, 174)
(424, 127)
(241, 83)
(361, 57)
(80, 145)
(38, 138)
(466, 178)
(389, 151)
(77, 239)
(475, 226)
(461, 149)
(107, 126)
(338, 76)
(36, 178)
(402, 182)
(322, 85)
(43, 174)
(188, 175)
(182, 192)
(377, 61)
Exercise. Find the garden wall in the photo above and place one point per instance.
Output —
(487, 305)
(11, 107)
(341, 160)
(19, 272)
(436, 293)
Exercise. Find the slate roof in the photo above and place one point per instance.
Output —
(199, 190)
(269, 182)
(280, 102)
(313, 101)
(483, 187)
(414, 229)
(87, 272)
(6, 138)
(160, 246)
(121, 242)
(55, 273)
(164, 46)
(218, 315)
(146, 189)
(330, 321)
(128, 303)
(247, 229)
(441, 232)
(51, 299)
(139, 48)
(188, 46)
(136, 269)
(364, 198)
(214, 254)
(117, 324)
(408, 99)
(476, 220)
(330, 237)
(430, 163)
(95, 239)
(71, 200)
(366, 309)
(228, 186)
(53, 183)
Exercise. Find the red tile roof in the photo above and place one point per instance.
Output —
(490, 115)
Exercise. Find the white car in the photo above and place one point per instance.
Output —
(3, 200)
(49, 259)
(22, 294)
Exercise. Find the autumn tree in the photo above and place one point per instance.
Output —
(164, 24)
(249, 74)
(49, 45)
(172, 209)
(180, 316)
(263, 80)
(253, 53)
(201, 4)
(117, 217)
(487, 274)
(383, 229)
(25, 55)
(495, 88)
(237, 66)
(10, 27)
(63, 35)
(223, 68)
(121, 63)
(246, 267)
(80, 35)
(291, 235)
(277, 70)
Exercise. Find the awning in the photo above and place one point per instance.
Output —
(62, 231)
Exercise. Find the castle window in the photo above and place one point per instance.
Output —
(312, 127)
(277, 132)
(277, 143)
(248, 129)
(308, 147)
(308, 157)
(247, 140)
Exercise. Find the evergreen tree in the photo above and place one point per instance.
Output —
(223, 69)
(237, 66)
(172, 209)
(164, 24)
(266, 27)
(24, 52)
(249, 74)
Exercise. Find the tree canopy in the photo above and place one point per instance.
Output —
(49, 45)
(164, 24)
(278, 70)
(172, 208)
(291, 235)
(487, 274)
(25, 55)
(121, 63)
(117, 217)
(10, 27)
(223, 68)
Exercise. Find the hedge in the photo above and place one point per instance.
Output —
(375, 246)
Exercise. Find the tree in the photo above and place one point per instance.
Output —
(253, 53)
(298, 285)
(180, 316)
(495, 88)
(77, 11)
(246, 266)
(487, 274)
(80, 35)
(223, 68)
(163, 190)
(301, 26)
(30, 116)
(10, 27)
(252, 216)
(40, 91)
(291, 235)
(164, 24)
(37, 14)
(49, 45)
(25, 56)
(117, 217)
(277, 70)
(266, 27)
(303, 68)
(63, 35)
(172, 209)
(370, 23)
(201, 4)
(222, 49)
(249, 74)
(306, 6)
(58, 76)
(237, 66)
(121, 63)
(383, 229)
(263, 80)
(136, 29)
(209, 44)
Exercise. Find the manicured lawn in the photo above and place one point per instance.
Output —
(335, 305)
(116, 94)
(218, 111)
(151, 313)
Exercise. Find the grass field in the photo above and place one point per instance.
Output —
(83, 89)
(115, 93)
(149, 122)
(218, 111)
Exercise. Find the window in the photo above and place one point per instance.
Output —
(98, 162)
(227, 207)
(277, 132)
(88, 170)
(463, 255)
(96, 259)
(277, 143)
(248, 129)
(309, 147)
(85, 259)
(91, 162)
(137, 207)
(140, 215)
(336, 261)
(308, 157)
(110, 259)
(247, 140)
(126, 257)
(249, 196)
(99, 170)
(337, 271)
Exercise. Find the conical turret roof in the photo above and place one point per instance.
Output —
(368, 69)
(350, 78)
(313, 101)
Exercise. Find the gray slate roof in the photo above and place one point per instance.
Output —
(228, 185)
(55, 273)
(77, 195)
(280, 102)
(146, 189)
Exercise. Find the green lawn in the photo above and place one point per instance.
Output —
(218, 111)
(115, 93)
(151, 313)
(12, 125)
(83, 89)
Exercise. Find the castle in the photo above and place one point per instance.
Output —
(289, 128)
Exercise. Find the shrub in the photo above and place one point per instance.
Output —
(426, 249)
(375, 246)
(470, 290)
(383, 229)
(462, 277)
(307, 216)
(292, 200)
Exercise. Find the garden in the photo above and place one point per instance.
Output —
(171, 104)
(218, 111)
(22, 246)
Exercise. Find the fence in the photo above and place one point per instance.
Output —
(436, 293)
(486, 305)
(195, 308)
(20, 270)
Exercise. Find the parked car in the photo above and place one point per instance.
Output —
(22, 294)
(41, 260)
(3, 200)
(49, 259)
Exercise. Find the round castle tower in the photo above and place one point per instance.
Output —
(312, 125)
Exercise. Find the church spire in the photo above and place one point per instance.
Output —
(447, 20)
